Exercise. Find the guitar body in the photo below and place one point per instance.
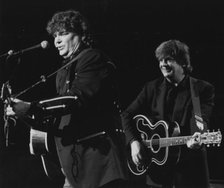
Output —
(52, 168)
(57, 158)
(63, 145)
(158, 157)
(39, 142)
(42, 143)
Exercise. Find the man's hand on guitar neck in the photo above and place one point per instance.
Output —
(137, 152)
(195, 141)
(17, 108)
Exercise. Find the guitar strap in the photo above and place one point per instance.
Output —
(44, 78)
(70, 62)
(196, 104)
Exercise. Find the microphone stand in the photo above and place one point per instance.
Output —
(6, 54)
(5, 97)
(7, 101)
(6, 88)
(42, 79)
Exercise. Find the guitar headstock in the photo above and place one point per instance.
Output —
(214, 138)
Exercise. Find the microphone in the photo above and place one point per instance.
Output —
(44, 45)
(6, 54)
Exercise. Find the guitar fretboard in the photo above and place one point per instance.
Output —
(205, 138)
(171, 141)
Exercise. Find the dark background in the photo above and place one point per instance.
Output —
(129, 32)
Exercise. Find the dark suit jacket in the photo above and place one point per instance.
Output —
(90, 80)
(151, 102)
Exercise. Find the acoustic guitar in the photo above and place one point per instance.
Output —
(158, 139)
(58, 160)
(47, 139)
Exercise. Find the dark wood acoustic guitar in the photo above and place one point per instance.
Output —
(46, 140)
(158, 139)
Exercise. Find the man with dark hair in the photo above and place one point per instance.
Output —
(177, 50)
(87, 126)
(169, 98)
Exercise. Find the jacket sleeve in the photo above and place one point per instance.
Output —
(89, 79)
(138, 106)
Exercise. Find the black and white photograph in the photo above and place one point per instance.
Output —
(111, 94)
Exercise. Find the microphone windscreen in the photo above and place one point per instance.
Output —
(45, 44)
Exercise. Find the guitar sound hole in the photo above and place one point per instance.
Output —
(155, 143)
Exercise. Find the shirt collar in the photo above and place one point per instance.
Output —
(182, 84)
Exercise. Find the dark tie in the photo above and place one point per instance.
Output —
(169, 104)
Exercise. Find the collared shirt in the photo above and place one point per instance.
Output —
(172, 91)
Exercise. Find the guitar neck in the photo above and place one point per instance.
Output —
(170, 141)
(174, 141)
(205, 138)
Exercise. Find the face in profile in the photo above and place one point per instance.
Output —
(66, 43)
